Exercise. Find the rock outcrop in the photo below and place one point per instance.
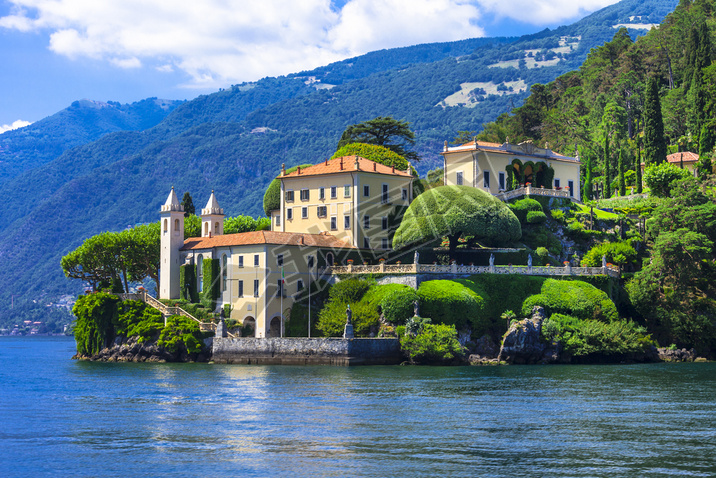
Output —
(522, 343)
(484, 352)
(676, 355)
(131, 350)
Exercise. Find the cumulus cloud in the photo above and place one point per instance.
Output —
(15, 125)
(216, 42)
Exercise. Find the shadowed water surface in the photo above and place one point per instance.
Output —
(66, 418)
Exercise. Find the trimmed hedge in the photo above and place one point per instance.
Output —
(187, 283)
(576, 298)
(272, 196)
(398, 305)
(211, 271)
(452, 303)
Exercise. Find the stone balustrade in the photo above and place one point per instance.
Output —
(530, 191)
(567, 270)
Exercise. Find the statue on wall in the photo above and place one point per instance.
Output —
(416, 257)
(349, 315)
(416, 310)
(492, 260)
(529, 260)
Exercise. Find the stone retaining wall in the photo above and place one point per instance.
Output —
(305, 351)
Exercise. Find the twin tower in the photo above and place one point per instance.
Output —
(172, 239)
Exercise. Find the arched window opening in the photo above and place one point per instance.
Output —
(166, 225)
(216, 228)
(176, 226)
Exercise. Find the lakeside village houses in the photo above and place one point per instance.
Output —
(337, 210)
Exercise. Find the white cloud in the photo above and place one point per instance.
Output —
(15, 125)
(216, 42)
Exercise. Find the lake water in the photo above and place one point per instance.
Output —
(66, 418)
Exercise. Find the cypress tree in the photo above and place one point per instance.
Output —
(607, 168)
(588, 180)
(622, 184)
(654, 145)
(188, 204)
(638, 167)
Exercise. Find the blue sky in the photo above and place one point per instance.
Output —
(56, 51)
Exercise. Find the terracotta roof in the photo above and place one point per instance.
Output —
(332, 166)
(688, 156)
(266, 237)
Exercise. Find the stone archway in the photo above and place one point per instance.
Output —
(275, 327)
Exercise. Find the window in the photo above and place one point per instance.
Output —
(366, 222)
(278, 221)
(366, 243)
(304, 195)
(366, 190)
(334, 192)
(321, 193)
(289, 213)
(206, 229)
(384, 197)
(166, 225)
(329, 259)
(279, 291)
(216, 228)
(289, 195)
(322, 211)
(224, 272)
(310, 262)
(304, 213)
(459, 178)
(384, 223)
(346, 222)
(241, 261)
(384, 243)
(299, 285)
(256, 260)
(334, 223)
(279, 260)
(486, 179)
(241, 288)
(556, 184)
(347, 191)
(256, 287)
(176, 227)
(571, 188)
(405, 194)
(501, 180)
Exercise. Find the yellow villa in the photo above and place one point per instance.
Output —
(338, 209)
(492, 167)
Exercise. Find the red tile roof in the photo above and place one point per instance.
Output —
(688, 156)
(346, 164)
(266, 237)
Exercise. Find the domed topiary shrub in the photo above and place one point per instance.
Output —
(536, 217)
(453, 211)
(373, 152)
(522, 207)
(398, 305)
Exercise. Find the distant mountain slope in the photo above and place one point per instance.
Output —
(82, 122)
(234, 141)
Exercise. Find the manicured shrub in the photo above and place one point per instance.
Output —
(536, 217)
(542, 254)
(272, 196)
(452, 303)
(576, 298)
(619, 253)
(524, 206)
(435, 344)
(583, 337)
(332, 317)
(350, 290)
(397, 306)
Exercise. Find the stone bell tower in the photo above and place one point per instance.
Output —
(212, 218)
(172, 240)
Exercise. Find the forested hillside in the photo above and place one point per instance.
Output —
(82, 122)
(235, 140)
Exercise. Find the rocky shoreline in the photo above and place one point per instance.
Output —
(522, 344)
(130, 350)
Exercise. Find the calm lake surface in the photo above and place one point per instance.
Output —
(60, 417)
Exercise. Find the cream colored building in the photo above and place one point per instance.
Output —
(484, 165)
(329, 212)
(352, 198)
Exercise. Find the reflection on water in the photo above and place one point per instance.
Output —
(62, 417)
